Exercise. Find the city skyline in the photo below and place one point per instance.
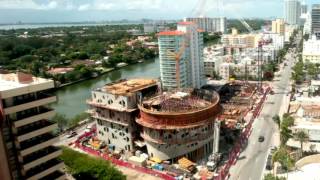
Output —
(13, 11)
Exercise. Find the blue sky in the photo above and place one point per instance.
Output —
(99, 10)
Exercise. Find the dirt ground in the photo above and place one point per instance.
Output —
(135, 175)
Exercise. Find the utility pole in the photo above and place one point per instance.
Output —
(260, 66)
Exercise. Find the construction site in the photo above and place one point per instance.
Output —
(179, 124)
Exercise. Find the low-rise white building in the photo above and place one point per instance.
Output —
(311, 50)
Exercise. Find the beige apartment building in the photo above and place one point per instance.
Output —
(278, 26)
(26, 139)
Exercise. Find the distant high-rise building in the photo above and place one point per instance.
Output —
(278, 26)
(315, 19)
(292, 11)
(304, 8)
(210, 24)
(186, 43)
(153, 27)
(26, 139)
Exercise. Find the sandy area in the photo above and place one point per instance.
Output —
(135, 175)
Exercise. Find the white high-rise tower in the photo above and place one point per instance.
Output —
(187, 43)
(292, 11)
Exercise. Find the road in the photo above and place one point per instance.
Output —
(252, 160)
(65, 141)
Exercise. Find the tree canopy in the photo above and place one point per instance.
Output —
(84, 167)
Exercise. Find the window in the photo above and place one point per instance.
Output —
(123, 103)
(110, 101)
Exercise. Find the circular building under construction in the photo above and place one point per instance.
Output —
(179, 123)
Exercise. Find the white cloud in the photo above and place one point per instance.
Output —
(51, 5)
(84, 7)
(105, 6)
(27, 4)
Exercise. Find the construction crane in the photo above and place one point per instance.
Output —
(198, 11)
(246, 25)
(177, 58)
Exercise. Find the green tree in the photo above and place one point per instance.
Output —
(302, 137)
(61, 120)
(272, 177)
(277, 120)
(75, 120)
(285, 132)
(283, 157)
(82, 166)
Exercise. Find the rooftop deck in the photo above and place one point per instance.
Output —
(124, 87)
(180, 101)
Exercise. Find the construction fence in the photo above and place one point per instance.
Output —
(235, 151)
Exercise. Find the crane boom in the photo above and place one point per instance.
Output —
(246, 25)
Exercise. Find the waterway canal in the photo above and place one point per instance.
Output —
(72, 99)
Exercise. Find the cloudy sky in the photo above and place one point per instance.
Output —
(99, 10)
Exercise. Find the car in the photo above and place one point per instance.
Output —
(72, 134)
(261, 138)
(269, 162)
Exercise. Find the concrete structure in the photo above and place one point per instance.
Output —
(315, 16)
(226, 70)
(292, 11)
(304, 8)
(154, 27)
(26, 150)
(307, 23)
(213, 57)
(114, 107)
(288, 31)
(210, 24)
(278, 26)
(311, 50)
(185, 45)
(179, 124)
(236, 40)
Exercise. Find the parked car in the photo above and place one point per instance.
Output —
(269, 162)
(72, 134)
(261, 138)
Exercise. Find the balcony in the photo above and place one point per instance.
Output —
(44, 113)
(44, 169)
(20, 105)
(37, 143)
(40, 157)
(57, 175)
(35, 129)
(185, 140)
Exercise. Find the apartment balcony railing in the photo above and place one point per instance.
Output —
(40, 157)
(34, 129)
(37, 143)
(44, 169)
(43, 113)
(20, 105)
(56, 175)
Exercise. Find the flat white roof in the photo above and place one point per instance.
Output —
(11, 81)
(313, 126)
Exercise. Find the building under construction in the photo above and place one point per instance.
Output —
(237, 99)
(179, 123)
(114, 107)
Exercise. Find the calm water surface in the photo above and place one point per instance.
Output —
(72, 99)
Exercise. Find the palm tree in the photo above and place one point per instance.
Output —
(285, 135)
(302, 137)
(276, 119)
(282, 156)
